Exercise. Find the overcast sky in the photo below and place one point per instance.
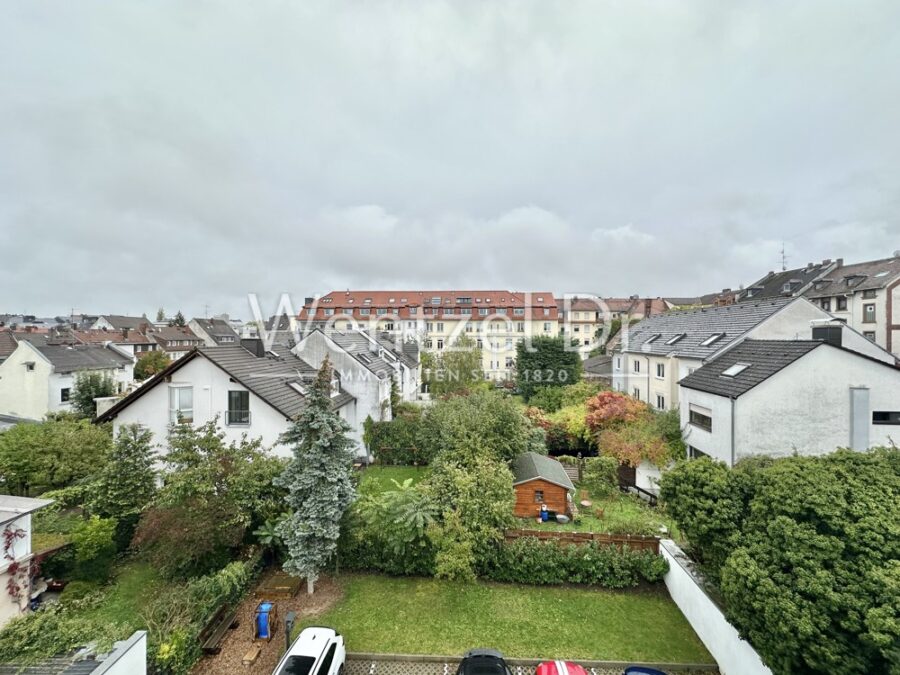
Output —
(184, 154)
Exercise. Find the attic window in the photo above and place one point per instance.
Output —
(786, 288)
(672, 340)
(299, 388)
(392, 300)
(735, 370)
(652, 339)
(326, 300)
(29, 366)
(711, 339)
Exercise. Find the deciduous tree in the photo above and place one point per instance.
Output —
(151, 363)
(88, 386)
(546, 362)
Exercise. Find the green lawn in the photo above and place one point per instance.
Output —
(133, 585)
(377, 479)
(426, 616)
(622, 514)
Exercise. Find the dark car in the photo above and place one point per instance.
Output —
(483, 662)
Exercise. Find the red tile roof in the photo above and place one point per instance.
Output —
(116, 336)
(401, 302)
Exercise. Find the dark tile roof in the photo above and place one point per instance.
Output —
(272, 377)
(530, 465)
(73, 358)
(359, 347)
(8, 343)
(764, 358)
(857, 277)
(407, 351)
(598, 365)
(121, 321)
(217, 329)
(786, 283)
(650, 335)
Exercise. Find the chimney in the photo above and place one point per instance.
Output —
(125, 333)
(832, 334)
(839, 262)
(826, 262)
(255, 346)
(308, 301)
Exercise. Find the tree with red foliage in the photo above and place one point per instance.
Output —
(612, 408)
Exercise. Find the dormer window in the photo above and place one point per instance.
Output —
(675, 338)
(735, 370)
(712, 339)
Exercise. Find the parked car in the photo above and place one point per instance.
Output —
(316, 651)
(560, 668)
(483, 662)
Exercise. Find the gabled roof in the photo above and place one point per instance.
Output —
(120, 321)
(76, 358)
(786, 283)
(598, 365)
(763, 359)
(217, 328)
(119, 337)
(530, 466)
(407, 351)
(273, 377)
(8, 343)
(651, 335)
(359, 346)
(862, 276)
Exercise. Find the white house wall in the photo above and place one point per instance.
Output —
(715, 443)
(211, 386)
(25, 393)
(19, 551)
(805, 408)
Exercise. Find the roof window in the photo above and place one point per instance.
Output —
(715, 337)
(675, 338)
(735, 370)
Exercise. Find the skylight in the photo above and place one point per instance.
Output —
(672, 340)
(711, 339)
(652, 339)
(735, 370)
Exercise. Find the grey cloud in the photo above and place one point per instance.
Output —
(183, 154)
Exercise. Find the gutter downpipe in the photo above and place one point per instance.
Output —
(732, 431)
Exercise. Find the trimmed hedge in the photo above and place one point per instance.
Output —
(532, 561)
(523, 561)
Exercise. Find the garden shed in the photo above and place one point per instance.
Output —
(538, 479)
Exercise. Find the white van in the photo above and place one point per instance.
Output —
(316, 651)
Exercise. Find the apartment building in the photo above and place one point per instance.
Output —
(495, 320)
(866, 296)
(661, 350)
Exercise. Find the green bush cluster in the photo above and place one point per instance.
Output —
(805, 553)
(394, 442)
(177, 616)
(600, 476)
(532, 561)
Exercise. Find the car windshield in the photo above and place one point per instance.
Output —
(297, 665)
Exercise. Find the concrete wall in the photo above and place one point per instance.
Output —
(734, 655)
(211, 386)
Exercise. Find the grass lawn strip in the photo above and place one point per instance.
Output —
(425, 616)
(377, 479)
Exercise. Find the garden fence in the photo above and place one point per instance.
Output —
(635, 542)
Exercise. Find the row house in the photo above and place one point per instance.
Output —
(496, 321)
(39, 376)
(866, 296)
(657, 352)
(783, 397)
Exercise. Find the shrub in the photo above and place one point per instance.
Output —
(600, 476)
(481, 423)
(78, 590)
(95, 548)
(394, 442)
(176, 616)
(805, 552)
(531, 561)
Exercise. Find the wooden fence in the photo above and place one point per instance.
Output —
(636, 542)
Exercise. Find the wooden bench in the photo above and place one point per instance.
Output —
(214, 632)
